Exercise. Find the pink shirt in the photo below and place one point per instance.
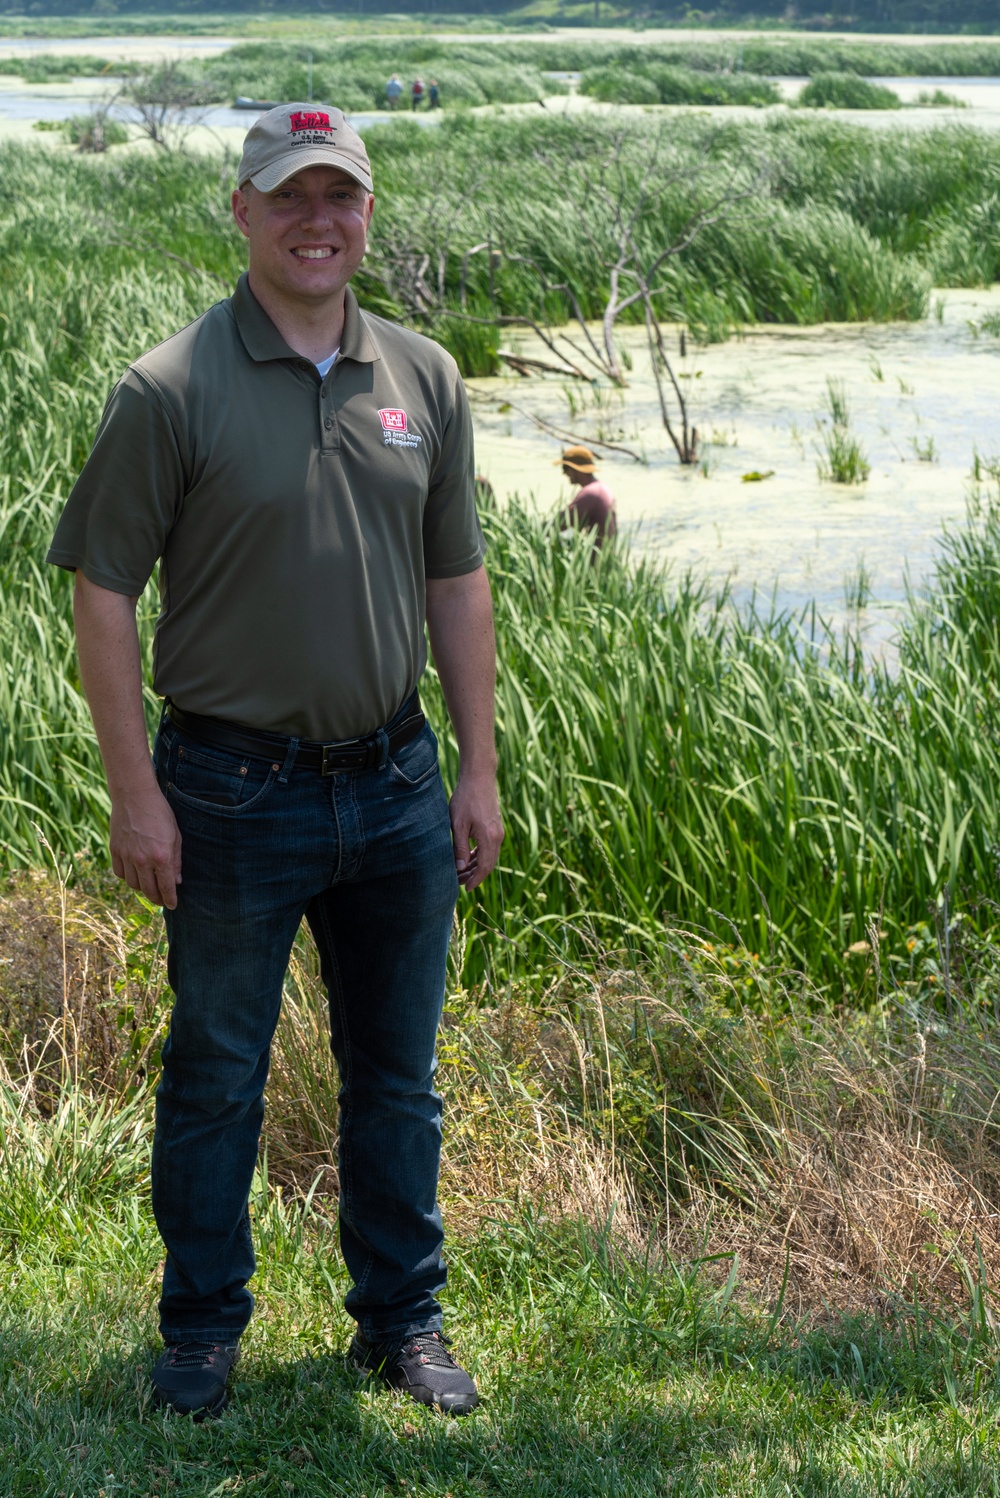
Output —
(592, 509)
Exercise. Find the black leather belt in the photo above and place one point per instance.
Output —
(341, 754)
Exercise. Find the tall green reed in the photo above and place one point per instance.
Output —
(667, 759)
(662, 758)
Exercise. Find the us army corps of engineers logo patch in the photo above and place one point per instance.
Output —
(311, 127)
(394, 426)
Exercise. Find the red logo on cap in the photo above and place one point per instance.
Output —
(309, 120)
(393, 421)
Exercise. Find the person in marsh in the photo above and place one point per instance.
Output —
(593, 507)
(303, 473)
(417, 92)
(393, 91)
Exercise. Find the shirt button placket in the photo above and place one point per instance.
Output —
(330, 439)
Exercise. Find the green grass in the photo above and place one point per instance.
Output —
(661, 83)
(47, 67)
(597, 1378)
(350, 67)
(277, 23)
(939, 98)
(843, 460)
(662, 760)
(94, 131)
(989, 324)
(761, 56)
(846, 91)
(352, 72)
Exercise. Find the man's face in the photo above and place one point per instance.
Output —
(308, 236)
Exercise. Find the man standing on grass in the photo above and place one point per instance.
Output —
(303, 472)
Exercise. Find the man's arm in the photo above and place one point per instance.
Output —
(145, 841)
(460, 625)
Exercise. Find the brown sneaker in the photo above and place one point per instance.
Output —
(420, 1366)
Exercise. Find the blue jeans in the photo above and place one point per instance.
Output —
(366, 856)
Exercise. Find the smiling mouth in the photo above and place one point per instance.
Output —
(326, 253)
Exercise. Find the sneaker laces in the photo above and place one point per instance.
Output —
(432, 1348)
(193, 1354)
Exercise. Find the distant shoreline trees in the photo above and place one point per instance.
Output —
(933, 16)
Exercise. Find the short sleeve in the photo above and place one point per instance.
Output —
(125, 502)
(453, 537)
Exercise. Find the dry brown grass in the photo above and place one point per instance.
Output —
(82, 980)
(848, 1160)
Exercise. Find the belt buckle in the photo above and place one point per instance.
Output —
(325, 767)
(366, 750)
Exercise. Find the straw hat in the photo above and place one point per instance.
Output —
(580, 458)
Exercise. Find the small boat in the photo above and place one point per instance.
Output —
(242, 102)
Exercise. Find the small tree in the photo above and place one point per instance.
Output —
(169, 103)
(619, 200)
(619, 212)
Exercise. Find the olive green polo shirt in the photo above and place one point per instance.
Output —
(295, 518)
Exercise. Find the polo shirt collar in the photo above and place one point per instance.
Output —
(356, 341)
(263, 341)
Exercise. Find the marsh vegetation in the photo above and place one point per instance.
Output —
(351, 71)
(663, 758)
(721, 1036)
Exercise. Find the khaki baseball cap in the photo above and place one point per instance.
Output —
(294, 136)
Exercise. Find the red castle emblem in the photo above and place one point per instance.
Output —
(309, 120)
(393, 421)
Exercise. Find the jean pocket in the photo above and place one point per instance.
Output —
(417, 761)
(214, 781)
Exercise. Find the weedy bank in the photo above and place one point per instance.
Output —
(693, 1247)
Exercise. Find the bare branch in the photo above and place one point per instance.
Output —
(562, 434)
(524, 366)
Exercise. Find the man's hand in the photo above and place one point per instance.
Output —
(145, 842)
(476, 828)
(146, 846)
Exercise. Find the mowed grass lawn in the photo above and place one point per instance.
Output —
(597, 1378)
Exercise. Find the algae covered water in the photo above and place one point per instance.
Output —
(921, 401)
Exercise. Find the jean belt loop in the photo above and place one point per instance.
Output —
(289, 765)
(383, 748)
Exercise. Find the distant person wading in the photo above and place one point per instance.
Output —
(593, 508)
